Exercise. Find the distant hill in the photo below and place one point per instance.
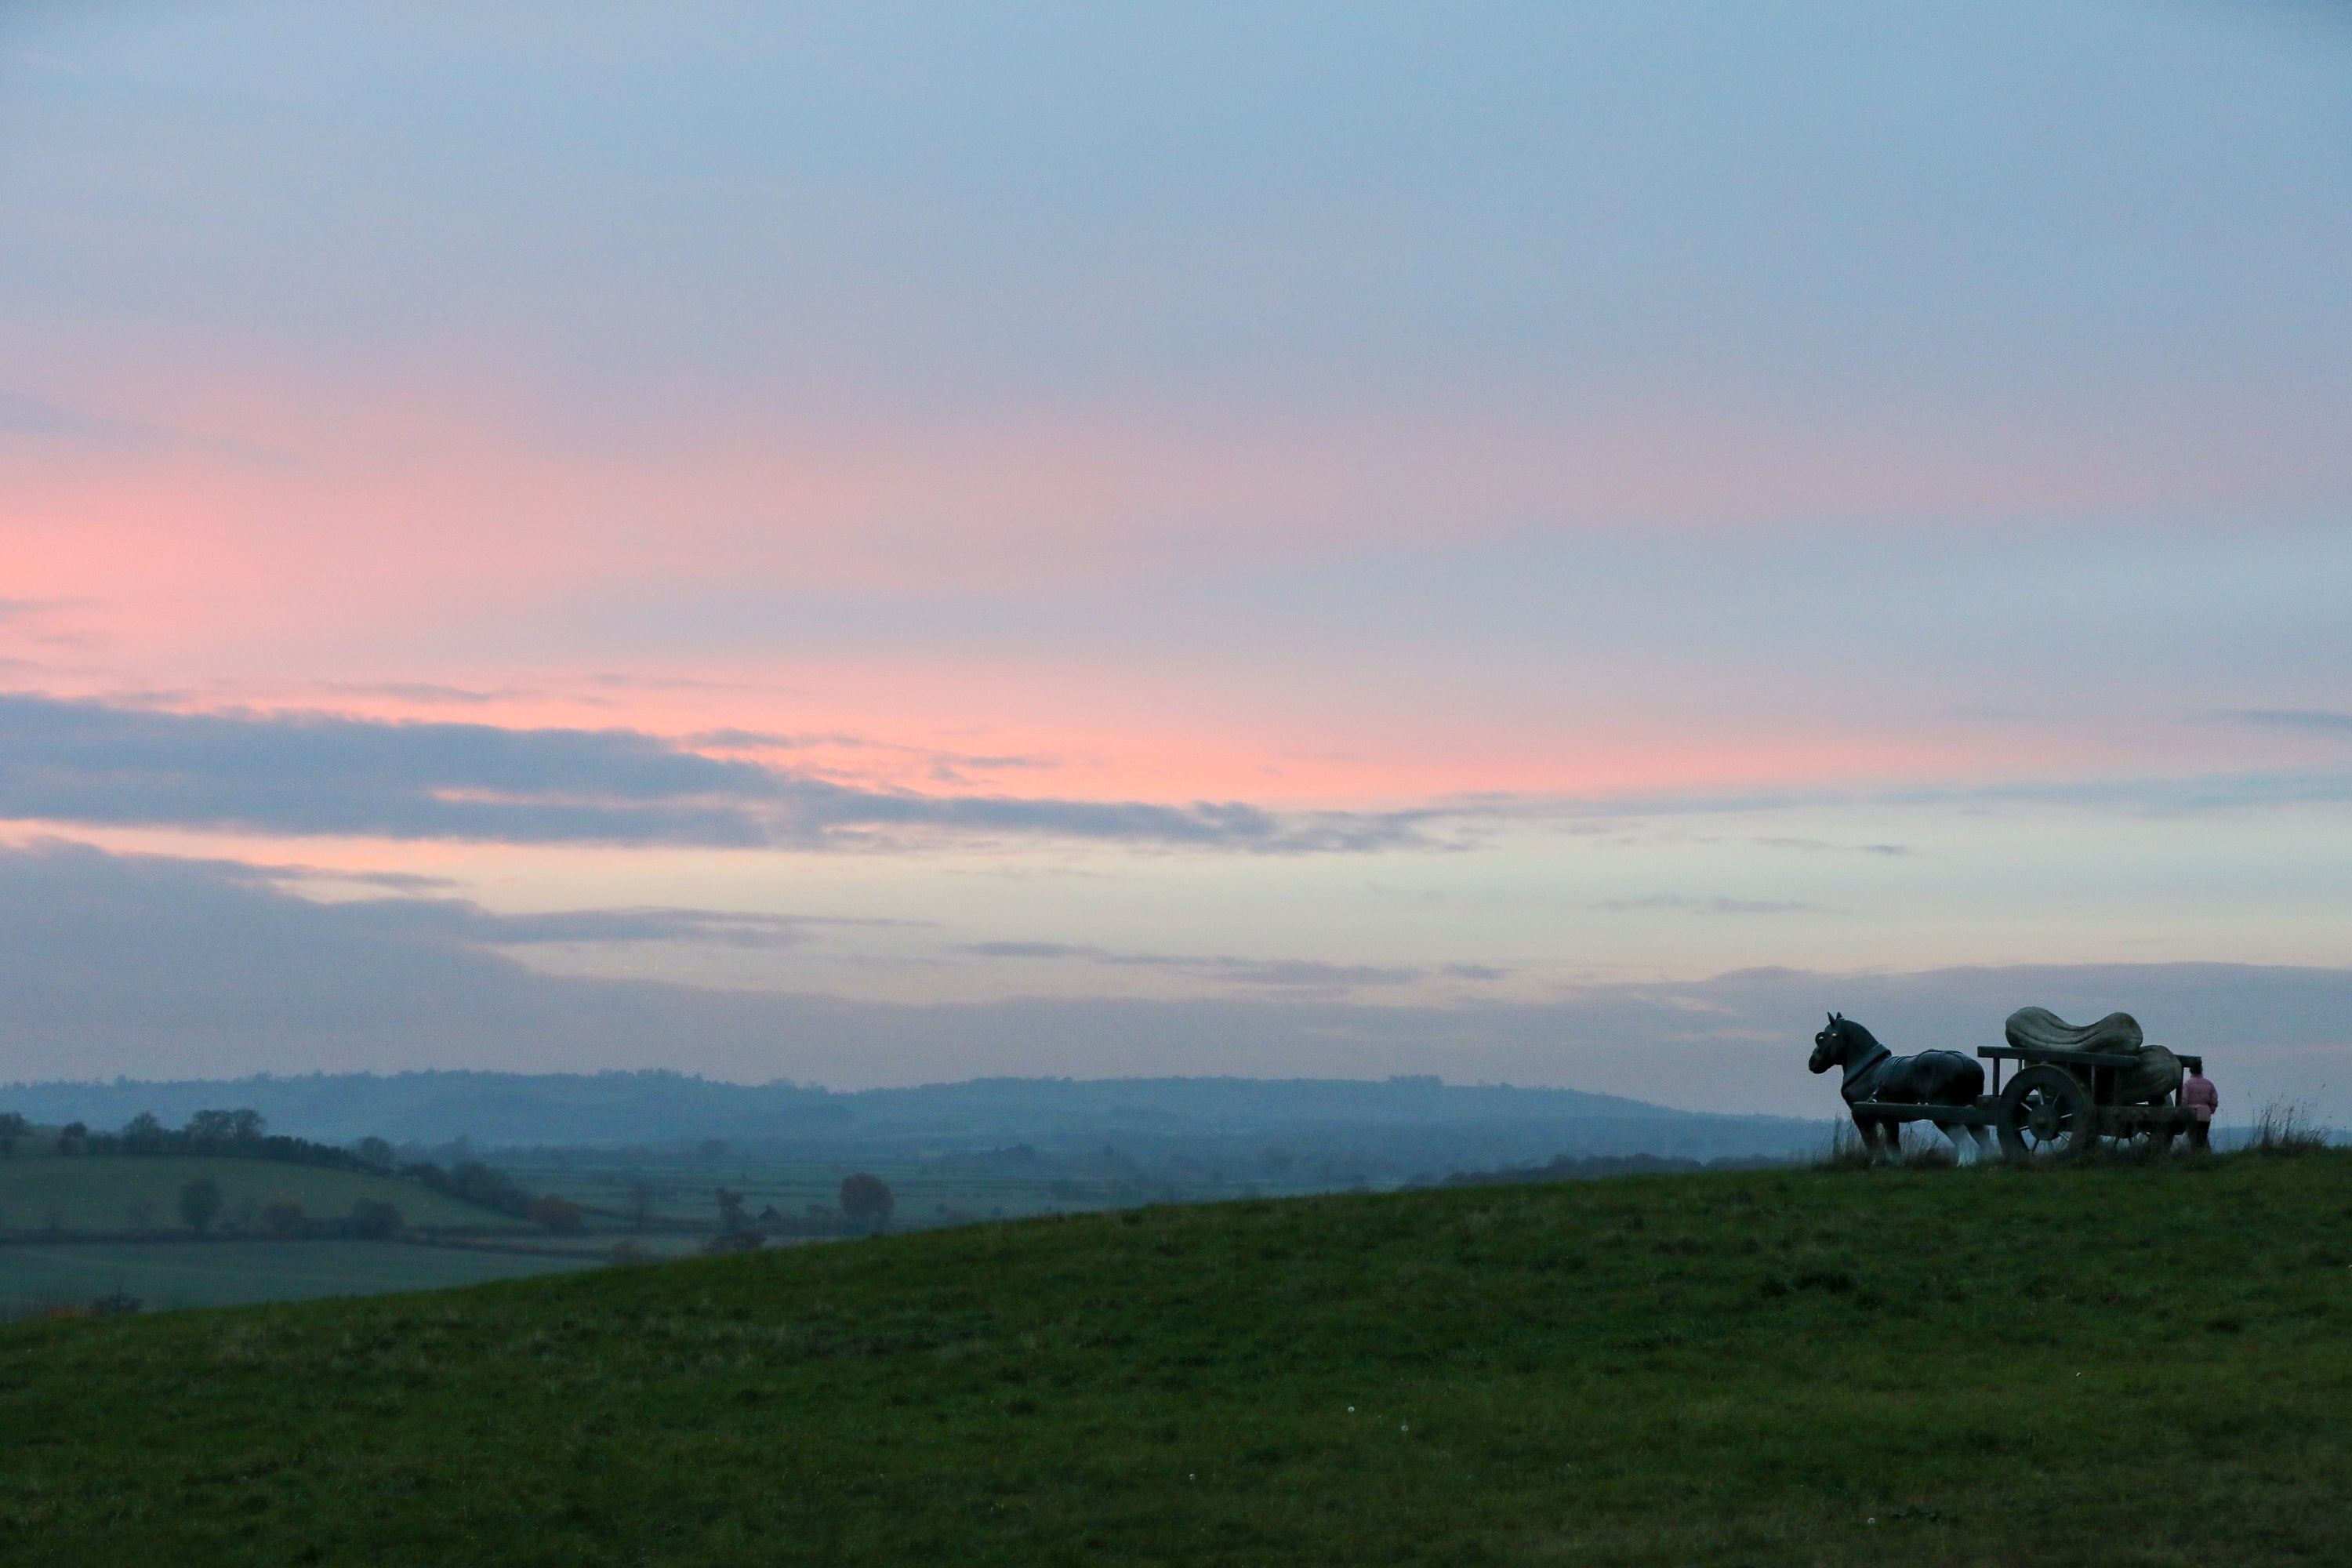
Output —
(1395, 1128)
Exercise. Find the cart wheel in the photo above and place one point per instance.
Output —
(2043, 1114)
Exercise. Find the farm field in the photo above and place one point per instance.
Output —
(679, 1189)
(161, 1275)
(127, 1193)
(2110, 1363)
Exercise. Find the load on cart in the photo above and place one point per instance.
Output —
(2073, 1086)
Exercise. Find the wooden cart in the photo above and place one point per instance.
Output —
(2057, 1102)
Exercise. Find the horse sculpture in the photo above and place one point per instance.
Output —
(1875, 1073)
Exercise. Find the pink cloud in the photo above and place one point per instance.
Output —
(300, 544)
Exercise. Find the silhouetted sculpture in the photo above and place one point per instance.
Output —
(1875, 1073)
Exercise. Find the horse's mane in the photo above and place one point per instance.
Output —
(1854, 1034)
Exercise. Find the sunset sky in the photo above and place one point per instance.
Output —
(871, 543)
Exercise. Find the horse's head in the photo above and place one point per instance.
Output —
(1829, 1046)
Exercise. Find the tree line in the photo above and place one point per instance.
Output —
(243, 1134)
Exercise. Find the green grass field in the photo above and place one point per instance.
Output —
(673, 1186)
(162, 1275)
(96, 1193)
(2112, 1364)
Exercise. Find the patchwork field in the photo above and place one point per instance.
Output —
(92, 1194)
(2112, 1364)
(74, 1228)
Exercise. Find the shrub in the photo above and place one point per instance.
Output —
(734, 1241)
(374, 1219)
(2283, 1128)
(282, 1215)
(200, 1202)
(486, 1184)
(731, 1216)
(47, 1310)
(626, 1253)
(1923, 1155)
(556, 1213)
(866, 1200)
(1847, 1151)
(225, 1127)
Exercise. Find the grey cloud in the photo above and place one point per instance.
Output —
(944, 767)
(2317, 720)
(1676, 901)
(463, 921)
(2152, 795)
(322, 774)
(156, 967)
(80, 761)
(1279, 974)
(732, 738)
(1824, 845)
(24, 415)
(2207, 792)
(459, 923)
(398, 881)
(1029, 949)
(775, 740)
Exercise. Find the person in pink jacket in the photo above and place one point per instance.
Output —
(2198, 1093)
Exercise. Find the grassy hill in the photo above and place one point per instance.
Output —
(162, 1275)
(2111, 1364)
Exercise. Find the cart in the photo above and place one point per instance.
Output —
(2057, 1102)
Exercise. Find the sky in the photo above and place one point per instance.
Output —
(876, 543)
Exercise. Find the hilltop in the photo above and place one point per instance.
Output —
(2124, 1365)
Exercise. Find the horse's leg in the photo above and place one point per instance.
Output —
(1890, 1133)
(1866, 1129)
(1971, 1144)
(1951, 1130)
